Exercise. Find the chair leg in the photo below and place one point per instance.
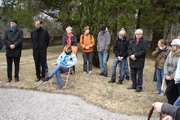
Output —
(67, 78)
(39, 84)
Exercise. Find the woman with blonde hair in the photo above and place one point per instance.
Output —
(169, 71)
(69, 38)
(160, 54)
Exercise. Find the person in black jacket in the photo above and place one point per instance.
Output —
(137, 53)
(173, 112)
(121, 52)
(69, 38)
(13, 39)
(40, 40)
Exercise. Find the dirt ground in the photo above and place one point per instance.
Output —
(92, 88)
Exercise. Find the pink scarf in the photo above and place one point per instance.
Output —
(69, 38)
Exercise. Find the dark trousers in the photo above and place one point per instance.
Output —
(171, 91)
(10, 61)
(137, 78)
(87, 57)
(40, 63)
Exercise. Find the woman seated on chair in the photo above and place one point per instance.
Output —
(64, 63)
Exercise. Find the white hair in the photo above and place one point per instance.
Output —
(138, 31)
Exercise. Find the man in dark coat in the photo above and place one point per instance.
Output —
(13, 39)
(137, 53)
(40, 40)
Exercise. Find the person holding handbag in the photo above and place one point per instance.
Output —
(170, 67)
(160, 54)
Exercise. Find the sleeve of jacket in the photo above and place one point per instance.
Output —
(115, 48)
(81, 42)
(156, 52)
(64, 41)
(130, 51)
(125, 54)
(1, 44)
(142, 52)
(6, 40)
(166, 65)
(20, 40)
(92, 42)
(98, 41)
(108, 40)
(47, 38)
(75, 41)
(173, 111)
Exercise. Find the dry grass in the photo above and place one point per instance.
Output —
(93, 88)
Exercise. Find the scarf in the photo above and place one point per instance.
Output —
(69, 38)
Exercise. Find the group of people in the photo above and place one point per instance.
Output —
(124, 48)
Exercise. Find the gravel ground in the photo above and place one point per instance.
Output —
(18, 104)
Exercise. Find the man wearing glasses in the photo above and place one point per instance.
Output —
(137, 53)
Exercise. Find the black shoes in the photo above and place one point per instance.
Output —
(130, 88)
(119, 82)
(111, 81)
(102, 74)
(9, 80)
(16, 79)
(138, 90)
(38, 79)
(127, 77)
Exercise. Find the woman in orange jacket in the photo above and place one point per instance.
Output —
(87, 43)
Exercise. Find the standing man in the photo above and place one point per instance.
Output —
(40, 40)
(137, 53)
(87, 43)
(121, 52)
(13, 39)
(103, 42)
(126, 68)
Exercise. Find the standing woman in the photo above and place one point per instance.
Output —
(160, 54)
(69, 38)
(169, 71)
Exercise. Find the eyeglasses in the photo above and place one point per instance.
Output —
(138, 34)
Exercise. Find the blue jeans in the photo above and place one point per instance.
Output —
(177, 102)
(58, 70)
(103, 62)
(127, 68)
(159, 77)
(122, 65)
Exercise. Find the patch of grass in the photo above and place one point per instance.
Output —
(92, 88)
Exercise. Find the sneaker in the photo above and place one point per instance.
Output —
(162, 94)
(90, 72)
(156, 92)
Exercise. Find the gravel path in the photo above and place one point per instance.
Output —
(18, 104)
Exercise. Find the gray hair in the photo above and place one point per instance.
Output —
(138, 31)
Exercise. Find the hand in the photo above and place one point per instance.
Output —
(87, 47)
(12, 46)
(157, 106)
(133, 57)
(167, 118)
(168, 78)
(121, 58)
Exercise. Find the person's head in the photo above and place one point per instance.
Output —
(69, 29)
(121, 34)
(37, 24)
(139, 33)
(86, 30)
(68, 49)
(13, 23)
(175, 44)
(162, 43)
(102, 27)
(123, 29)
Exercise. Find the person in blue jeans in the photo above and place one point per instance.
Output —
(121, 52)
(64, 62)
(160, 54)
(126, 68)
(103, 42)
